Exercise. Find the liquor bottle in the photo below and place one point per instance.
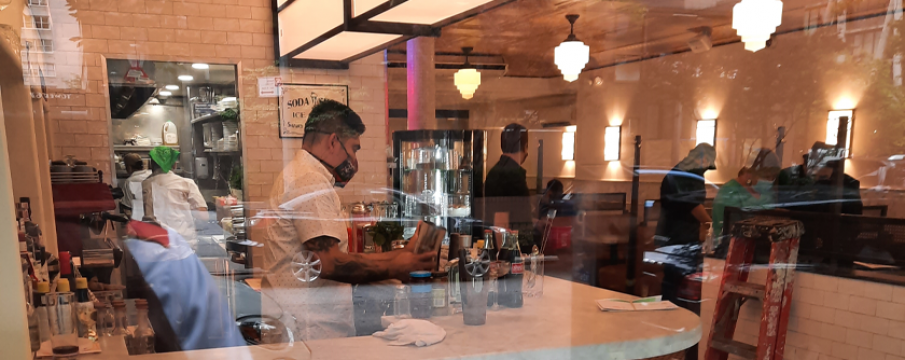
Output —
(122, 325)
(85, 311)
(489, 247)
(143, 337)
(511, 284)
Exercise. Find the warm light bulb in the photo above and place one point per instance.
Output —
(172, 87)
(467, 81)
(185, 77)
(165, 93)
(200, 66)
(755, 20)
(571, 57)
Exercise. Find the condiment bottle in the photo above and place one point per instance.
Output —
(85, 311)
(402, 308)
(453, 289)
(144, 336)
(122, 325)
(438, 293)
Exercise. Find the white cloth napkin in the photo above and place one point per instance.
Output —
(412, 331)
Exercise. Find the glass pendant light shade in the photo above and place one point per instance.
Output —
(755, 20)
(467, 81)
(570, 58)
(571, 55)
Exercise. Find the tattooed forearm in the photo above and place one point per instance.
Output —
(354, 269)
(348, 268)
(320, 244)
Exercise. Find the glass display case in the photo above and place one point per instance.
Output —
(438, 174)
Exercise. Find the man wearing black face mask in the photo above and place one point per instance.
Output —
(308, 267)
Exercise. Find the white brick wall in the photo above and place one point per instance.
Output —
(831, 318)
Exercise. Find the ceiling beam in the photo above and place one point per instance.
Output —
(361, 23)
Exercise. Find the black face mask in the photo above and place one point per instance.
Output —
(345, 171)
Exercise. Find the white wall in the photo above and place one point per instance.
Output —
(793, 84)
(831, 317)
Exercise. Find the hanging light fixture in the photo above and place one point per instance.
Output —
(571, 55)
(468, 79)
(755, 20)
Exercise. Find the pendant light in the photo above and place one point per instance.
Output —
(468, 79)
(755, 20)
(572, 54)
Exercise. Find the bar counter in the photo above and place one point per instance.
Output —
(563, 324)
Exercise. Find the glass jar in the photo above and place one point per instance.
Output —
(421, 299)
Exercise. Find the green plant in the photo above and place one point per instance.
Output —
(230, 115)
(235, 179)
(385, 232)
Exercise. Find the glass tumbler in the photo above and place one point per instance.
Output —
(61, 315)
(474, 307)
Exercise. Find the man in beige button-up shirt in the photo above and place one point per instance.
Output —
(309, 227)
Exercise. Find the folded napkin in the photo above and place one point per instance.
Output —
(412, 331)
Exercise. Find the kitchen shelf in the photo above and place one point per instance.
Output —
(215, 117)
(209, 151)
(139, 148)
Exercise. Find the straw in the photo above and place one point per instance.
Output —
(547, 228)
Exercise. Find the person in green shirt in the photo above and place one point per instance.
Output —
(752, 189)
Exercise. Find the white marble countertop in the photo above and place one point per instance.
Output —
(563, 324)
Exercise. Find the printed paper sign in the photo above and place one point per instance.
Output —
(297, 100)
(269, 86)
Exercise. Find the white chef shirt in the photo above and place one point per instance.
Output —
(305, 206)
(132, 193)
(174, 198)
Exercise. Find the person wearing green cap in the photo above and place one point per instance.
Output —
(169, 199)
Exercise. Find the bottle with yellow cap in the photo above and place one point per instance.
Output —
(41, 290)
(85, 311)
(63, 285)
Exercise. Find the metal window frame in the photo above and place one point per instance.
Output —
(31, 22)
(362, 23)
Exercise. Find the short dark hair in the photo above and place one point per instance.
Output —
(514, 139)
(134, 161)
(332, 117)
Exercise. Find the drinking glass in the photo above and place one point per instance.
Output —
(64, 332)
(474, 309)
(533, 281)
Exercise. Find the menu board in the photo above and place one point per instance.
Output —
(297, 100)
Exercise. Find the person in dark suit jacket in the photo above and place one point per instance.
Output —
(506, 188)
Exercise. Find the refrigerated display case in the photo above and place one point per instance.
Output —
(437, 176)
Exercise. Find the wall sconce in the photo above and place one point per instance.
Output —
(832, 129)
(612, 143)
(568, 143)
(705, 132)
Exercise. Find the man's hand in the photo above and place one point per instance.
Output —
(407, 261)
